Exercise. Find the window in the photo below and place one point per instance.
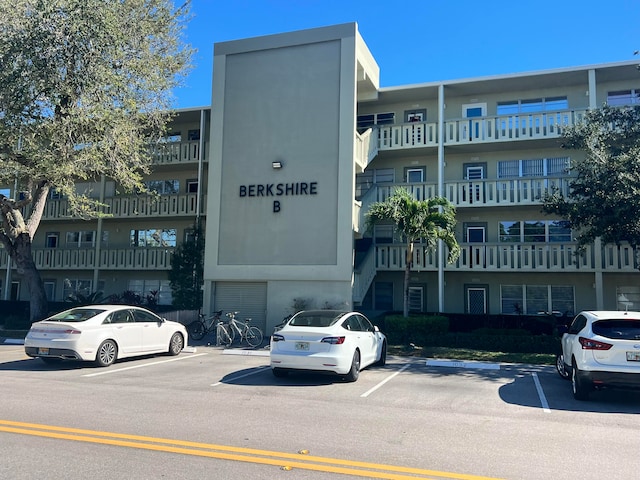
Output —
(514, 107)
(81, 239)
(163, 187)
(6, 192)
(536, 167)
(192, 186)
(415, 175)
(51, 239)
(54, 194)
(474, 110)
(623, 97)
(153, 237)
(193, 135)
(144, 317)
(415, 115)
(159, 289)
(85, 239)
(371, 119)
(74, 287)
(628, 298)
(535, 231)
(475, 172)
(537, 299)
(172, 138)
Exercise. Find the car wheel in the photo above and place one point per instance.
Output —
(383, 356)
(176, 344)
(580, 389)
(107, 353)
(354, 373)
(561, 367)
(279, 372)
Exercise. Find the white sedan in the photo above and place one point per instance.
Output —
(103, 334)
(327, 341)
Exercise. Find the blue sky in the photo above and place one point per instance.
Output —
(416, 41)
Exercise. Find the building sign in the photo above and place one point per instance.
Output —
(279, 190)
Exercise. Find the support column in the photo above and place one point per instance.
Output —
(441, 246)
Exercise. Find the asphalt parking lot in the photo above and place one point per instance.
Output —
(452, 416)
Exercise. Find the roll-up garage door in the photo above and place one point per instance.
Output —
(248, 298)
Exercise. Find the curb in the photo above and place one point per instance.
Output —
(12, 341)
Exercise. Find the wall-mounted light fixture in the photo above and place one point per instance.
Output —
(276, 165)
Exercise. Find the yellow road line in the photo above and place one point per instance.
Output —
(224, 452)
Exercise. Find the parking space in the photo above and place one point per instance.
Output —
(479, 388)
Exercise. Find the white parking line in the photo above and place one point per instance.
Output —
(258, 370)
(371, 390)
(117, 370)
(543, 399)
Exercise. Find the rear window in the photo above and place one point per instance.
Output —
(622, 329)
(75, 315)
(315, 319)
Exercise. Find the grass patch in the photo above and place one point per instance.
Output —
(473, 355)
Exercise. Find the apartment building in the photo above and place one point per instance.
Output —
(301, 139)
(129, 250)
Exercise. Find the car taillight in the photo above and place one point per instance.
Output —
(277, 338)
(589, 344)
(72, 332)
(333, 340)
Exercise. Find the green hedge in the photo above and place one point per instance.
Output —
(433, 331)
(414, 329)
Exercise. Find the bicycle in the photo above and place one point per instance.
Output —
(226, 332)
(199, 328)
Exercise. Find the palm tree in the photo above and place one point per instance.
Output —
(431, 220)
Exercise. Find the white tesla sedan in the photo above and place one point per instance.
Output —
(327, 341)
(103, 334)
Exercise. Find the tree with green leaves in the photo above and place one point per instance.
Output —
(603, 198)
(187, 272)
(85, 88)
(430, 220)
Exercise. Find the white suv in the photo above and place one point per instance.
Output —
(602, 349)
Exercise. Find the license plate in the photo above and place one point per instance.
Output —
(43, 351)
(302, 346)
(633, 356)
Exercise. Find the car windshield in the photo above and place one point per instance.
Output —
(622, 329)
(75, 315)
(315, 319)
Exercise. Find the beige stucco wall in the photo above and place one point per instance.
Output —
(288, 98)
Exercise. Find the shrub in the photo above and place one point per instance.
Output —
(415, 328)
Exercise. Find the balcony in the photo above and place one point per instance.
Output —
(135, 206)
(479, 193)
(520, 257)
(108, 258)
(503, 128)
(177, 152)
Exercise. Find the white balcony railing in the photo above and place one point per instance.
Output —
(177, 152)
(478, 193)
(134, 206)
(514, 257)
(108, 258)
(501, 128)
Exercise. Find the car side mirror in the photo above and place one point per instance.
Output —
(375, 328)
